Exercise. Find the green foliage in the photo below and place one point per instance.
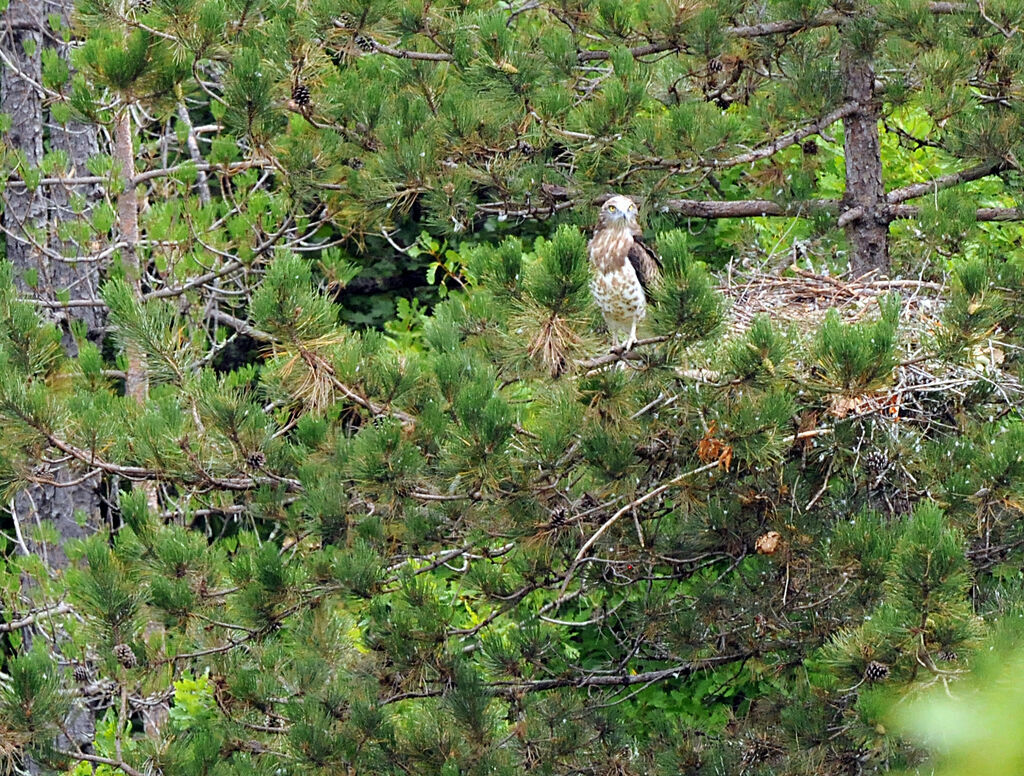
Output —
(925, 609)
(33, 703)
(559, 279)
(686, 304)
(375, 495)
(760, 355)
(862, 356)
(287, 305)
(978, 729)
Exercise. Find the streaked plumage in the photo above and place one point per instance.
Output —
(622, 269)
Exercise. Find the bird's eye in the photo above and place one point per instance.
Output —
(612, 208)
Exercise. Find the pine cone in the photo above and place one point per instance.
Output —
(876, 462)
(355, 163)
(809, 147)
(80, 672)
(125, 656)
(947, 655)
(558, 517)
(143, 6)
(301, 95)
(876, 672)
(256, 460)
(757, 751)
(364, 43)
(526, 149)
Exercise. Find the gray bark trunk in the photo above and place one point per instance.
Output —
(30, 221)
(868, 234)
(79, 142)
(24, 212)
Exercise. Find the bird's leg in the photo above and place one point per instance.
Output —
(631, 340)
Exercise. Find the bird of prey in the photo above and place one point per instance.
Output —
(622, 269)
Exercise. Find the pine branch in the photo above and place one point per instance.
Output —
(625, 679)
(242, 327)
(981, 214)
(621, 355)
(764, 152)
(782, 27)
(142, 474)
(902, 194)
(749, 208)
(678, 479)
(31, 619)
(622, 511)
(591, 680)
(598, 55)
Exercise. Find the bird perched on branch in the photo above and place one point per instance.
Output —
(623, 269)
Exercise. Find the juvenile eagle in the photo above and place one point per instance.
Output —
(622, 269)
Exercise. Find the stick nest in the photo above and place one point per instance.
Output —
(800, 299)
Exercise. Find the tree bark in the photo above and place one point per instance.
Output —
(79, 141)
(24, 211)
(31, 220)
(136, 382)
(868, 232)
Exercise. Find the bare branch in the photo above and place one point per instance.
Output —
(902, 194)
(981, 214)
(30, 619)
(597, 55)
(623, 510)
(749, 208)
(785, 141)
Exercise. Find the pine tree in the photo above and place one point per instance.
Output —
(476, 539)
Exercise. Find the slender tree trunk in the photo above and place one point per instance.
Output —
(79, 279)
(24, 212)
(33, 249)
(31, 220)
(867, 228)
(136, 379)
(136, 382)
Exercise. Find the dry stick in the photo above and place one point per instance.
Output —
(195, 153)
(92, 758)
(615, 518)
(30, 619)
(647, 497)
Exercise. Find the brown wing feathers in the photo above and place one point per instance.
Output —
(644, 262)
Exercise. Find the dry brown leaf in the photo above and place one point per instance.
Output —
(768, 544)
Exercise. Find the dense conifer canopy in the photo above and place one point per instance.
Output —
(314, 453)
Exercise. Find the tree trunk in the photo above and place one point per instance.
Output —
(33, 249)
(30, 219)
(24, 211)
(80, 279)
(136, 382)
(867, 225)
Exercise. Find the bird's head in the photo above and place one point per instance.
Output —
(618, 210)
